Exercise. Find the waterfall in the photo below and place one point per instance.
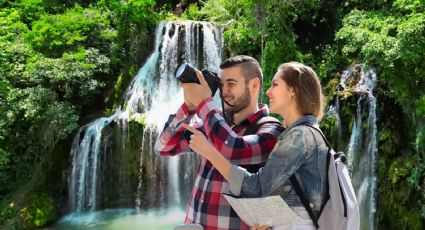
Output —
(151, 96)
(85, 171)
(362, 147)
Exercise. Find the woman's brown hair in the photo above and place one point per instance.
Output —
(306, 86)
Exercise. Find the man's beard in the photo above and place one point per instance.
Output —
(240, 103)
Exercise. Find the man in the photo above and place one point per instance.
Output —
(241, 79)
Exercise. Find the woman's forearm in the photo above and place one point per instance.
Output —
(220, 163)
(200, 145)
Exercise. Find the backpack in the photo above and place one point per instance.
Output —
(340, 209)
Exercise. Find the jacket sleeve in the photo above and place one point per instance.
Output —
(240, 150)
(173, 140)
(284, 161)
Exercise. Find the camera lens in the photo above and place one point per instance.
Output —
(180, 70)
(185, 73)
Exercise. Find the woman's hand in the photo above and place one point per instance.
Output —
(198, 142)
(262, 227)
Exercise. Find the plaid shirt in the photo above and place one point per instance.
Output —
(206, 205)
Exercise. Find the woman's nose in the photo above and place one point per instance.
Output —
(268, 92)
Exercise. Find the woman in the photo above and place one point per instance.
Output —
(296, 95)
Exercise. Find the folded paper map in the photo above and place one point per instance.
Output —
(271, 210)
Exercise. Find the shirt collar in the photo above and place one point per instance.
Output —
(310, 119)
(253, 118)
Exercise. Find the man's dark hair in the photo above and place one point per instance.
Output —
(249, 66)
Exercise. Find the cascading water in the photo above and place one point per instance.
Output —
(85, 171)
(151, 96)
(362, 147)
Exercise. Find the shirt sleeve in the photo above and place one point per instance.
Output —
(173, 140)
(284, 161)
(240, 150)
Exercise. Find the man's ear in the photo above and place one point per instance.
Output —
(255, 85)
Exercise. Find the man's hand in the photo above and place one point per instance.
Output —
(190, 106)
(195, 93)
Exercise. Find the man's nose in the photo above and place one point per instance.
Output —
(224, 90)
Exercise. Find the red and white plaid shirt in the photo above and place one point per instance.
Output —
(207, 206)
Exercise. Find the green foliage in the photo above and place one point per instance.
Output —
(134, 21)
(13, 52)
(40, 210)
(55, 63)
(35, 121)
(420, 141)
(54, 34)
(7, 210)
(328, 125)
(420, 109)
(118, 90)
(221, 11)
(242, 28)
(31, 10)
(391, 40)
(329, 63)
(57, 57)
(72, 77)
(417, 177)
(410, 5)
(393, 43)
(395, 209)
(192, 13)
(262, 29)
(10, 25)
(4, 3)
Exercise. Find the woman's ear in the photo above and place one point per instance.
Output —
(292, 92)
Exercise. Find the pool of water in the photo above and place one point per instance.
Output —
(122, 219)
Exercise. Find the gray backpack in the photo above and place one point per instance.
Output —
(340, 209)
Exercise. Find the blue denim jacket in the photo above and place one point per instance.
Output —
(301, 151)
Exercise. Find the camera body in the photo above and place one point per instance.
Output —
(185, 73)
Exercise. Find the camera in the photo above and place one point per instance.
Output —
(185, 73)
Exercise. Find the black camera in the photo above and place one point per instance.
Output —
(185, 73)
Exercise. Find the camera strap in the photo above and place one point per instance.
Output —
(228, 117)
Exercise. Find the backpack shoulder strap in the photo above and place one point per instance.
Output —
(318, 130)
(297, 186)
(303, 199)
(253, 127)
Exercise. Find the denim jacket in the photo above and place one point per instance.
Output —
(301, 151)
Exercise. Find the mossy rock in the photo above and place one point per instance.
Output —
(397, 198)
(36, 213)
